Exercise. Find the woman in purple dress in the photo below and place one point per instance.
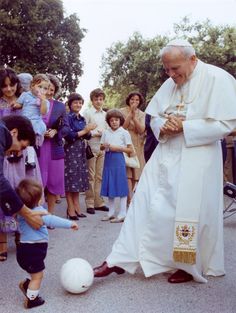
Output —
(51, 153)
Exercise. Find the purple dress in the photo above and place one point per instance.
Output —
(52, 170)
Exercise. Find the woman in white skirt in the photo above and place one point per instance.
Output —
(115, 141)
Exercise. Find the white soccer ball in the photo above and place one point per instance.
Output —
(76, 275)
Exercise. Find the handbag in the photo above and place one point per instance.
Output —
(8, 224)
(132, 161)
(89, 152)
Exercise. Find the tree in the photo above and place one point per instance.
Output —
(135, 65)
(36, 37)
(213, 44)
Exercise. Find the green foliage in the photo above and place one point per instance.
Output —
(36, 37)
(213, 44)
(135, 65)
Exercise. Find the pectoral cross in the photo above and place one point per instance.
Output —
(181, 105)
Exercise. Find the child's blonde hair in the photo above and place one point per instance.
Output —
(38, 78)
(30, 192)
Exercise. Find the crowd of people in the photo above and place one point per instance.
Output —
(171, 224)
(58, 160)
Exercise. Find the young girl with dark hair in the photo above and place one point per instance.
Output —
(115, 141)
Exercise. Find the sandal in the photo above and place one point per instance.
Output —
(3, 255)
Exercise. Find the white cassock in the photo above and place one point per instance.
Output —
(169, 179)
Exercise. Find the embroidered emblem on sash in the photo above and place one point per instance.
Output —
(185, 242)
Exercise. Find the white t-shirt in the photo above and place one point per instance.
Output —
(118, 137)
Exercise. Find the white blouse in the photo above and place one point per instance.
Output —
(118, 137)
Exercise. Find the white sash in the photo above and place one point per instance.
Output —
(189, 200)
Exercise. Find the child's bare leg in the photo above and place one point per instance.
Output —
(34, 285)
(31, 288)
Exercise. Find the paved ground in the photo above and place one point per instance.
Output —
(119, 294)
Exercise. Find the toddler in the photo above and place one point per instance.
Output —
(32, 249)
(34, 105)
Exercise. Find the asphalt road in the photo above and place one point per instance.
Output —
(119, 294)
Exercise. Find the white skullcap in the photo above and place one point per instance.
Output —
(179, 43)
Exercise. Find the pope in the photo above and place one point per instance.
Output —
(174, 222)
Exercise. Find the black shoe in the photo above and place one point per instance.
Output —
(71, 217)
(33, 303)
(80, 214)
(30, 166)
(102, 208)
(90, 211)
(23, 285)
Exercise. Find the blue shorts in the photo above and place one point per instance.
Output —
(30, 256)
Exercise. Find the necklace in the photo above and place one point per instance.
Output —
(180, 106)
